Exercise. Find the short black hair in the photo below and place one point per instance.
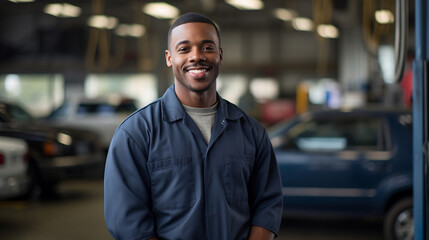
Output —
(192, 17)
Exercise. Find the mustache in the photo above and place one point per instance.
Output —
(207, 66)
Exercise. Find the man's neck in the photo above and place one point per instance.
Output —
(197, 99)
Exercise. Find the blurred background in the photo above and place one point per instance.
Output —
(80, 67)
(297, 54)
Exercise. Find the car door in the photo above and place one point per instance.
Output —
(322, 162)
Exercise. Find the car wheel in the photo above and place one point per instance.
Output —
(35, 188)
(399, 221)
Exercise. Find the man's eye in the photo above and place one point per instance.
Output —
(182, 49)
(208, 48)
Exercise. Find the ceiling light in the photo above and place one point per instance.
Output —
(161, 10)
(102, 21)
(136, 30)
(327, 31)
(53, 9)
(130, 30)
(284, 14)
(384, 16)
(71, 10)
(62, 10)
(122, 30)
(302, 24)
(21, 1)
(246, 5)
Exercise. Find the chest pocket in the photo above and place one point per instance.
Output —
(172, 183)
(236, 177)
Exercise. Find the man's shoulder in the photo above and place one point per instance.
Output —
(150, 112)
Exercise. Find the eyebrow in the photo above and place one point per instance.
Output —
(208, 41)
(187, 41)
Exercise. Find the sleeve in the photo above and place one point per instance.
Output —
(127, 199)
(265, 189)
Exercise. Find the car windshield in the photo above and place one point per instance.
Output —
(61, 111)
(17, 114)
(93, 108)
(333, 134)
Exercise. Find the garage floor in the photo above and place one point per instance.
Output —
(77, 214)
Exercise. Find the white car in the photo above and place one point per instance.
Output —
(99, 115)
(14, 180)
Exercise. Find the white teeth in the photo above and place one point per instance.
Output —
(197, 70)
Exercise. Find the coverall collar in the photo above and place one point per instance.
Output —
(172, 109)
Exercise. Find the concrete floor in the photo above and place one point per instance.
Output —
(77, 214)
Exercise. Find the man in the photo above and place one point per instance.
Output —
(192, 165)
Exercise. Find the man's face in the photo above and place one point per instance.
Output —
(195, 56)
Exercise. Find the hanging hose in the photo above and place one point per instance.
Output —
(372, 30)
(148, 55)
(322, 14)
(98, 40)
(401, 38)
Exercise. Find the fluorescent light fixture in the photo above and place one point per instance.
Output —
(12, 84)
(71, 10)
(130, 30)
(161, 10)
(246, 4)
(302, 24)
(122, 30)
(102, 21)
(327, 31)
(264, 88)
(53, 9)
(284, 14)
(317, 93)
(232, 87)
(62, 10)
(386, 58)
(136, 30)
(21, 1)
(384, 16)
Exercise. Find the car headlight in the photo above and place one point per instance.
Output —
(64, 139)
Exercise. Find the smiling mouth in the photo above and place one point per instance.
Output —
(197, 71)
(197, 68)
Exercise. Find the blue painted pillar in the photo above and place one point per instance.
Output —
(420, 105)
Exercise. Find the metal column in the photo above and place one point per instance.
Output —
(420, 121)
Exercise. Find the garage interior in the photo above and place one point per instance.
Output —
(278, 63)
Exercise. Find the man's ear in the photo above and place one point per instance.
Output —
(168, 58)
(221, 54)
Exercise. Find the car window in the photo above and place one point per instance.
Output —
(62, 111)
(18, 114)
(95, 108)
(335, 135)
(126, 107)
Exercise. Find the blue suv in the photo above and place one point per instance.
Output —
(349, 163)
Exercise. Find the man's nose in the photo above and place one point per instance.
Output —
(196, 56)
